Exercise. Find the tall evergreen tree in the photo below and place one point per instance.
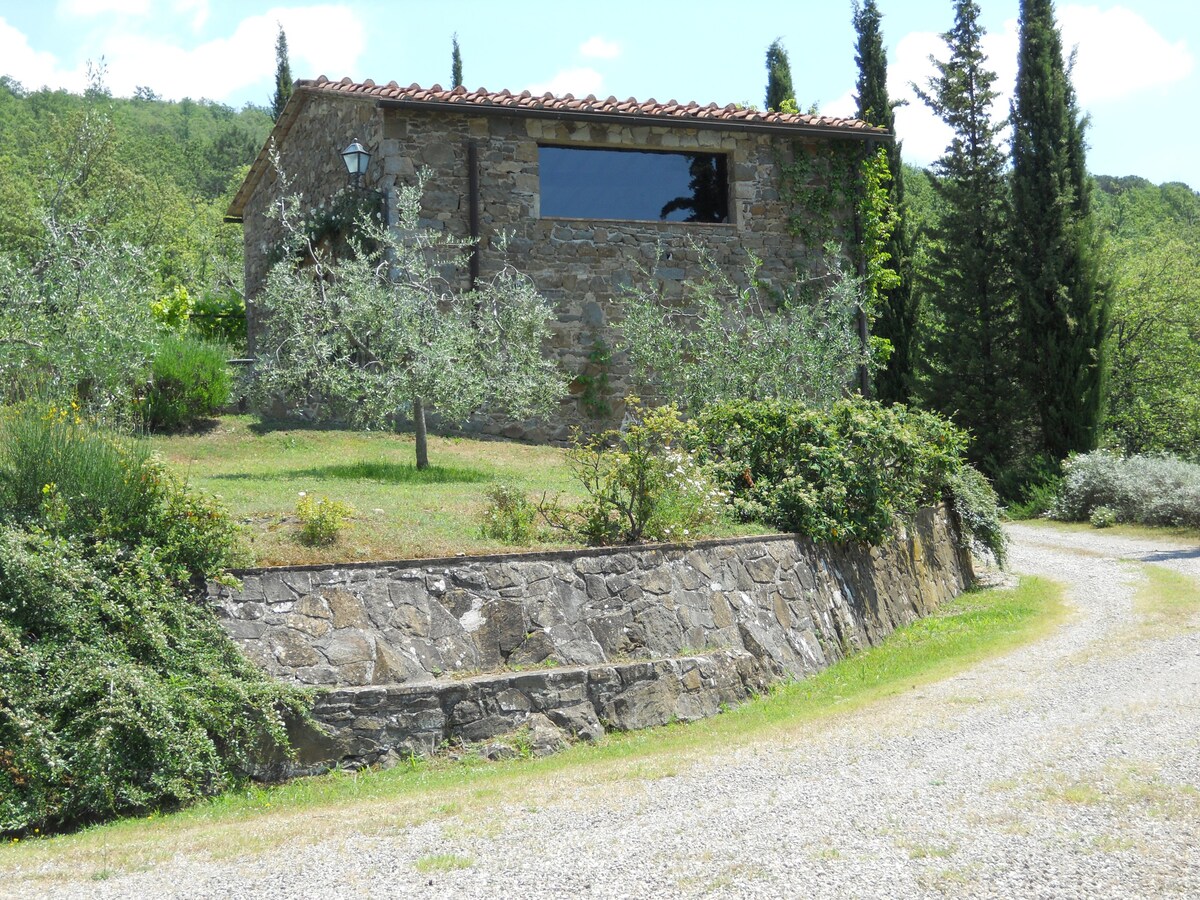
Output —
(283, 75)
(1063, 307)
(971, 354)
(455, 63)
(896, 319)
(779, 78)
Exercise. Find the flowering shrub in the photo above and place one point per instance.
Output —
(643, 482)
(1148, 489)
(321, 519)
(52, 459)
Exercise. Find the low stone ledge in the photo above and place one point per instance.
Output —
(360, 726)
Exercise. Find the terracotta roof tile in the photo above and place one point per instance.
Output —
(569, 102)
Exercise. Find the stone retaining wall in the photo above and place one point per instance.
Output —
(384, 634)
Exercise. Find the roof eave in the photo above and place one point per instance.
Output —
(627, 118)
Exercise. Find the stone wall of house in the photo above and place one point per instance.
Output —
(311, 168)
(580, 265)
(396, 640)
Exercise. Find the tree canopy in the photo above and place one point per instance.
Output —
(779, 79)
(1063, 306)
(970, 360)
(381, 332)
(283, 75)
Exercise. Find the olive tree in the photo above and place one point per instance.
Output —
(721, 340)
(383, 332)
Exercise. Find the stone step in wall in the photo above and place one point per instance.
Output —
(365, 725)
(792, 606)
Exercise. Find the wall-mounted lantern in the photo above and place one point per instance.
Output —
(356, 158)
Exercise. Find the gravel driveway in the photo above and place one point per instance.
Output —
(1070, 768)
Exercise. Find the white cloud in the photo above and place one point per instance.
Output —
(1120, 54)
(322, 40)
(198, 8)
(34, 68)
(844, 106)
(326, 40)
(92, 8)
(598, 48)
(579, 82)
(924, 135)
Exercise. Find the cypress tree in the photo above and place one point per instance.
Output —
(899, 311)
(455, 63)
(1063, 307)
(779, 78)
(971, 354)
(283, 75)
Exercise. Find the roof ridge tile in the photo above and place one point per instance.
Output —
(569, 102)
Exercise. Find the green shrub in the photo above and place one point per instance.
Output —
(979, 512)
(59, 471)
(1037, 499)
(119, 691)
(51, 457)
(1103, 517)
(321, 519)
(189, 381)
(509, 517)
(643, 483)
(843, 473)
(220, 316)
(172, 311)
(1147, 489)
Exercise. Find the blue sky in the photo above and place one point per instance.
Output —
(1136, 72)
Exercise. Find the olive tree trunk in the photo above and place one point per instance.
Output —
(418, 413)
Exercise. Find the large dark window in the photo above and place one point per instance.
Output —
(586, 183)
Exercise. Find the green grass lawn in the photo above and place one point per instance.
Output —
(976, 626)
(259, 470)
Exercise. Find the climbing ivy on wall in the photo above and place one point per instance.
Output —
(878, 220)
(821, 185)
(817, 186)
(593, 381)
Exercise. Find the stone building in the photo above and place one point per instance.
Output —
(590, 192)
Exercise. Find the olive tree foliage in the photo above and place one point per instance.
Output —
(721, 341)
(384, 332)
(78, 323)
(75, 299)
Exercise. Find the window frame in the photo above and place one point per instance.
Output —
(730, 193)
